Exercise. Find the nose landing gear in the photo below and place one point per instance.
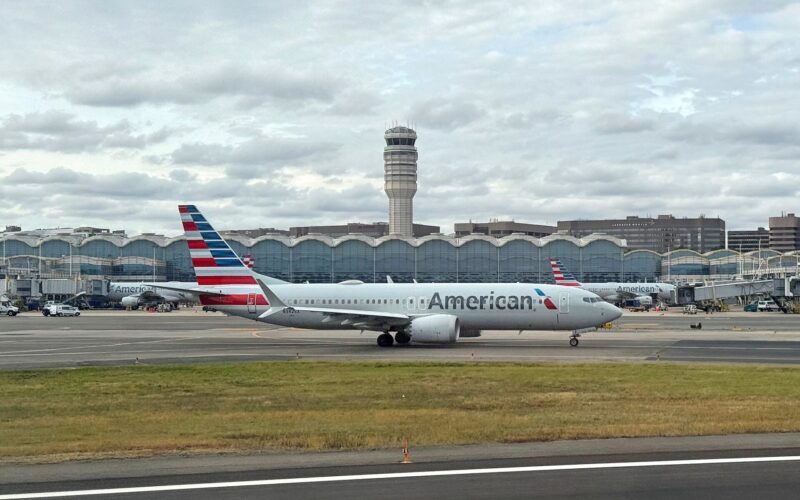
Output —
(573, 339)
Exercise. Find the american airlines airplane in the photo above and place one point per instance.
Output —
(132, 294)
(617, 292)
(136, 294)
(434, 313)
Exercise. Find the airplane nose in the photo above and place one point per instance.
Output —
(614, 312)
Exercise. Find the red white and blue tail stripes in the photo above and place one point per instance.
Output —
(214, 262)
(562, 276)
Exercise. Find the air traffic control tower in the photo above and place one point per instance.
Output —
(400, 178)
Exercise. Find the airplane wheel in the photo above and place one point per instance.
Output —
(402, 338)
(385, 340)
(573, 342)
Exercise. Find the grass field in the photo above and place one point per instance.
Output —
(131, 411)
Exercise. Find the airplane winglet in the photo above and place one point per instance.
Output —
(389, 280)
(273, 299)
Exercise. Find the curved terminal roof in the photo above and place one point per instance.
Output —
(164, 242)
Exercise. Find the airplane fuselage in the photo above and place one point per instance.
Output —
(118, 290)
(497, 306)
(619, 291)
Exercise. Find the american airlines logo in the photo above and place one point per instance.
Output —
(490, 302)
(132, 289)
(639, 289)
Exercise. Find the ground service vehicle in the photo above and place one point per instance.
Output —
(767, 305)
(7, 309)
(60, 310)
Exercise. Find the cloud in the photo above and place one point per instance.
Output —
(272, 113)
(620, 123)
(63, 132)
(253, 157)
(252, 84)
(444, 113)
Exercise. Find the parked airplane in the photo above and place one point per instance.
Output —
(617, 292)
(424, 312)
(138, 294)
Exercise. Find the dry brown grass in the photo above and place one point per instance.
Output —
(323, 406)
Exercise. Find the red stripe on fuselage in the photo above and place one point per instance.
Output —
(226, 280)
(549, 304)
(239, 299)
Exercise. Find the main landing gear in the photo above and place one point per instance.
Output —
(386, 340)
(573, 339)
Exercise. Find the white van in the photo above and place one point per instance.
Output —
(63, 310)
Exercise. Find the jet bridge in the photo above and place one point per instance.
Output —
(722, 291)
(782, 290)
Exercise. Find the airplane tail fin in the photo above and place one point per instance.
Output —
(562, 276)
(214, 261)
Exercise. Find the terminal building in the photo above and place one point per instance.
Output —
(322, 259)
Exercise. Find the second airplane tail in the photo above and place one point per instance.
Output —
(561, 275)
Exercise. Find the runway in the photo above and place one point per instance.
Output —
(622, 468)
(99, 338)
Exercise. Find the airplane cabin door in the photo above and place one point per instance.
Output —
(563, 303)
(251, 303)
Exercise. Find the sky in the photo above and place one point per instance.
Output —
(272, 113)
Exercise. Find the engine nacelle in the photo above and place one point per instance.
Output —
(435, 329)
(130, 301)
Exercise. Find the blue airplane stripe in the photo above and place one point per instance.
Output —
(204, 226)
(539, 292)
(223, 253)
(198, 218)
(191, 208)
(218, 244)
(210, 235)
(228, 263)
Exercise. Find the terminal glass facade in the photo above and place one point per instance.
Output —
(320, 259)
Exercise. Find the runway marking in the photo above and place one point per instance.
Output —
(396, 475)
(32, 351)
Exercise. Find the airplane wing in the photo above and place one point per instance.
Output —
(367, 320)
(626, 295)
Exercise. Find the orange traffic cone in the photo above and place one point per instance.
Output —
(406, 455)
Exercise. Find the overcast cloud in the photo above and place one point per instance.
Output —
(271, 114)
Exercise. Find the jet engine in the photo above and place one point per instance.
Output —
(130, 301)
(435, 329)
